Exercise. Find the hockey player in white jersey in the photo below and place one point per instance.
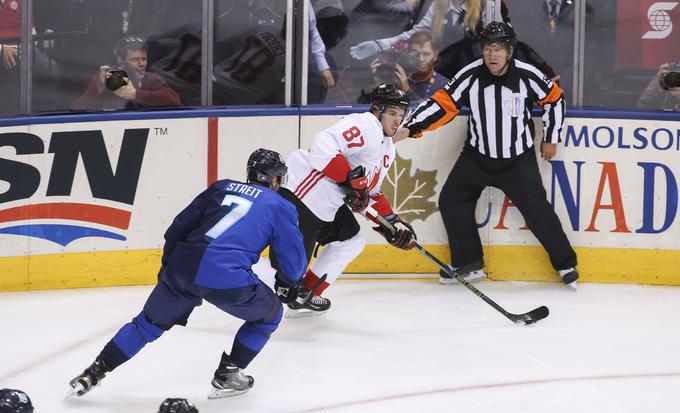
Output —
(342, 173)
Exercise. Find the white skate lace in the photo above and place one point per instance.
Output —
(317, 299)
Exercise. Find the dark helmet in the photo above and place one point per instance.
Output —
(14, 401)
(264, 166)
(331, 23)
(388, 94)
(171, 405)
(499, 33)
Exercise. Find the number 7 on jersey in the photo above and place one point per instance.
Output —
(240, 208)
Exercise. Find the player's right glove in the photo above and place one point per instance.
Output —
(404, 237)
(356, 186)
(286, 292)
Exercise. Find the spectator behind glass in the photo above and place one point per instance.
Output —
(413, 72)
(369, 19)
(331, 23)
(10, 32)
(254, 72)
(663, 91)
(446, 19)
(10, 27)
(455, 26)
(127, 84)
(320, 76)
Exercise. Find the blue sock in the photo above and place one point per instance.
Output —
(251, 338)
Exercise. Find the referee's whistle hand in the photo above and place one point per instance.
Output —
(548, 150)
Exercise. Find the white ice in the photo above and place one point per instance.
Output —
(385, 346)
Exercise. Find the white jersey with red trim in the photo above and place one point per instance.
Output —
(360, 139)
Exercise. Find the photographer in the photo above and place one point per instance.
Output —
(413, 71)
(127, 85)
(663, 91)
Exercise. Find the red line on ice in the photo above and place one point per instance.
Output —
(484, 387)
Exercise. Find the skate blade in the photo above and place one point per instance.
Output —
(573, 285)
(222, 393)
(303, 313)
(73, 391)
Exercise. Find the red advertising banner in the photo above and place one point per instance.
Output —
(647, 33)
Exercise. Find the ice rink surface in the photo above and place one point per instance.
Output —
(385, 346)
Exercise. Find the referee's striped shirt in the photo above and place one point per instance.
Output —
(500, 124)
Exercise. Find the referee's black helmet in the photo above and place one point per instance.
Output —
(499, 33)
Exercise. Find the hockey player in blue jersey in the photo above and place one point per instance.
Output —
(209, 250)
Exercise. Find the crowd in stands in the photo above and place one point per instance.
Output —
(418, 45)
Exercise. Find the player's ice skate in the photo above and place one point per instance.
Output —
(229, 380)
(312, 307)
(85, 381)
(470, 272)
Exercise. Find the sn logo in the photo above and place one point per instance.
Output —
(119, 185)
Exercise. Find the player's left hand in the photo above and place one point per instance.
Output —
(404, 238)
(548, 150)
(356, 187)
(287, 292)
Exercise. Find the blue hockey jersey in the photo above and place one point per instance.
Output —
(215, 240)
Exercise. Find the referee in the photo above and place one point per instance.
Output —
(500, 92)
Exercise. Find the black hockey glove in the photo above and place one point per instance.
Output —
(404, 237)
(286, 292)
(356, 186)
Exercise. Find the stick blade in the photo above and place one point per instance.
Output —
(533, 316)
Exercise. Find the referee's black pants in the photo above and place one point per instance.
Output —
(521, 181)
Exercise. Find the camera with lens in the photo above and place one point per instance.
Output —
(116, 79)
(408, 61)
(672, 78)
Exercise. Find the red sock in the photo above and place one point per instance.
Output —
(311, 279)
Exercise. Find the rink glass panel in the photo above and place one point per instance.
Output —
(550, 32)
(249, 53)
(626, 43)
(83, 36)
(10, 62)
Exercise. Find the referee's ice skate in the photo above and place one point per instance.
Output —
(471, 272)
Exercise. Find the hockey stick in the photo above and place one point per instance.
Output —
(316, 285)
(302, 300)
(530, 317)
